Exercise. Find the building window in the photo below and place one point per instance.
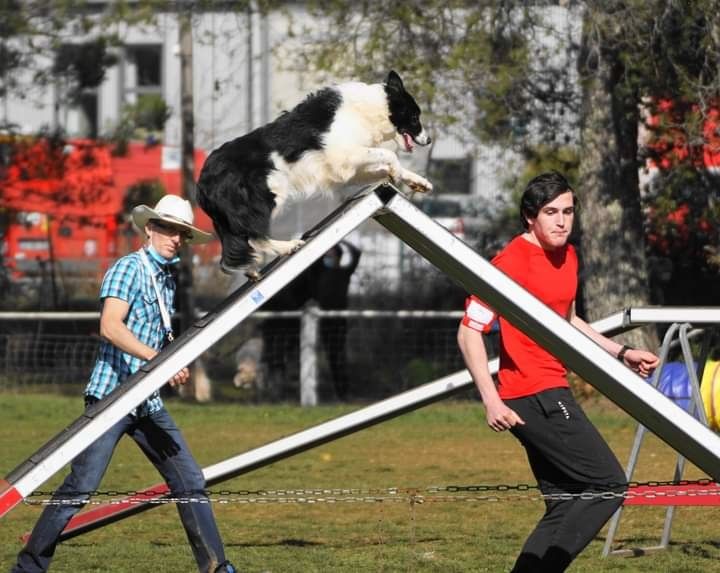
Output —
(451, 175)
(142, 72)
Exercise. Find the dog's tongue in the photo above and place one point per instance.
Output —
(408, 142)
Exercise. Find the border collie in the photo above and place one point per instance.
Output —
(330, 140)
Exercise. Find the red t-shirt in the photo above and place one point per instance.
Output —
(525, 367)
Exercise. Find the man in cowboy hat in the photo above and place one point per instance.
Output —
(137, 300)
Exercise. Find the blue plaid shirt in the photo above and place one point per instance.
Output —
(128, 279)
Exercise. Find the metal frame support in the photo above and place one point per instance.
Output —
(695, 408)
(670, 314)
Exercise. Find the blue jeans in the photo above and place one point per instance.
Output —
(160, 439)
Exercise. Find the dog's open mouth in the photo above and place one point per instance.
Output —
(409, 143)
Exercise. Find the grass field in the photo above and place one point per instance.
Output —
(442, 444)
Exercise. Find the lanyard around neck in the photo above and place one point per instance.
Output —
(163, 309)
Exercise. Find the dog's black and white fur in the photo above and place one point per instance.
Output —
(330, 140)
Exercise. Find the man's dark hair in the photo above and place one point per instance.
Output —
(540, 191)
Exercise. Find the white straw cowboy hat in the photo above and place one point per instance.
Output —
(171, 209)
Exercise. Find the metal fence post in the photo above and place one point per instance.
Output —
(308, 354)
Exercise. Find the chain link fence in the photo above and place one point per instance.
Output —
(356, 354)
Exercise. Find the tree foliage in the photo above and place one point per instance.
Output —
(472, 65)
(83, 65)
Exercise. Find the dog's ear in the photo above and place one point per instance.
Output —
(394, 82)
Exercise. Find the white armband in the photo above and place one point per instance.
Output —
(478, 316)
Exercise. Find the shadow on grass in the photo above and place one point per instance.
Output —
(701, 549)
(643, 546)
(305, 543)
(279, 543)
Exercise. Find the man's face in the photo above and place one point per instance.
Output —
(166, 238)
(553, 224)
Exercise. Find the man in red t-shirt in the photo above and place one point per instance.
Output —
(532, 398)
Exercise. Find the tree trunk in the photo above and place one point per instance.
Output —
(198, 387)
(614, 268)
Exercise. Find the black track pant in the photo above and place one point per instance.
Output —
(567, 455)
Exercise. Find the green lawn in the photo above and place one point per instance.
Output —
(443, 444)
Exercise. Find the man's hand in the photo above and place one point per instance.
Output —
(500, 417)
(641, 361)
(180, 378)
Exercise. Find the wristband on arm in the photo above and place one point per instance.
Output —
(623, 350)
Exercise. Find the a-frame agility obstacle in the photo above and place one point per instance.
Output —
(298, 442)
(392, 210)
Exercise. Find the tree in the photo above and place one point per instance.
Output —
(613, 252)
(684, 214)
(635, 55)
(83, 65)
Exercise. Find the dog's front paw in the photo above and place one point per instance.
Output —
(418, 184)
(421, 187)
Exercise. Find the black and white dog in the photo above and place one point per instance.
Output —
(330, 140)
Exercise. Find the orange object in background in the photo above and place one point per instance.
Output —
(65, 203)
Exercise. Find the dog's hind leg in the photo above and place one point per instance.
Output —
(252, 271)
(271, 247)
(276, 247)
